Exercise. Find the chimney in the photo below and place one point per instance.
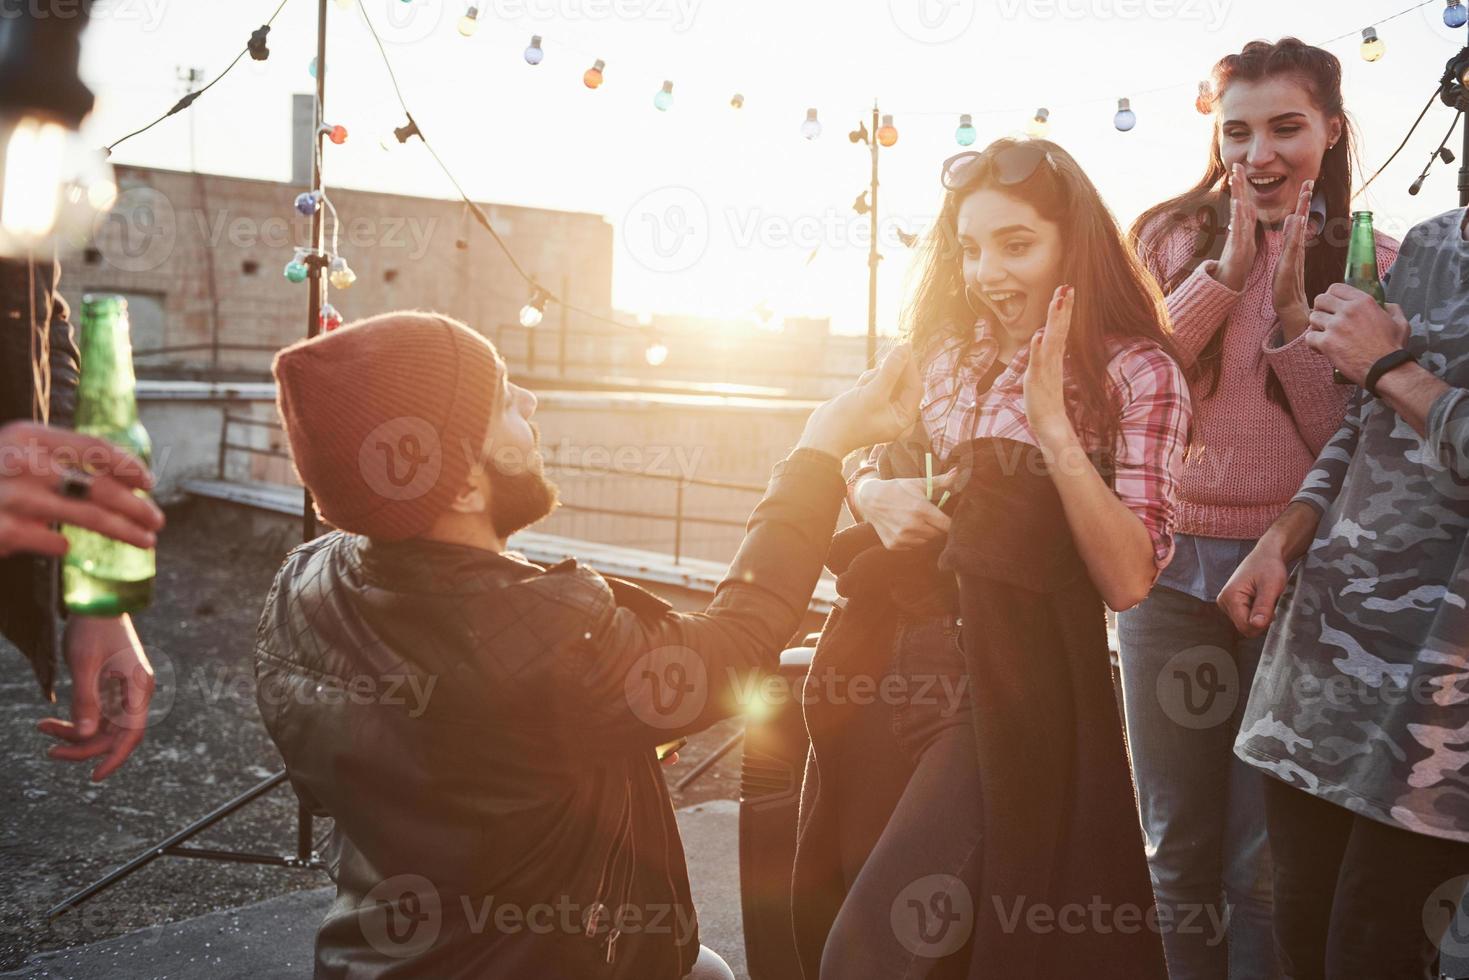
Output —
(303, 137)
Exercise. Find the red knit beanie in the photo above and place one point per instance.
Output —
(386, 416)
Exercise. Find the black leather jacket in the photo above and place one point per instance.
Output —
(482, 731)
(30, 302)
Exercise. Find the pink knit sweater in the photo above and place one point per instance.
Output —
(1249, 455)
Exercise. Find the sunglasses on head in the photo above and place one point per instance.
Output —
(1014, 163)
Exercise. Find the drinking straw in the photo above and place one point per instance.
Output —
(928, 470)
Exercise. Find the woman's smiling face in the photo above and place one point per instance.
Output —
(1012, 259)
(1273, 129)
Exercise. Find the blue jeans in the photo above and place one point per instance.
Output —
(1186, 676)
(910, 818)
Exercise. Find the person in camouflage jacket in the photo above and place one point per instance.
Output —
(1360, 707)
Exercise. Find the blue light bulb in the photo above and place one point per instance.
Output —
(1456, 15)
(1125, 118)
(965, 135)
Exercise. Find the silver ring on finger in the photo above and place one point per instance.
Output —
(75, 485)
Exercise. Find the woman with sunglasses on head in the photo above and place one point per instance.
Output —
(1239, 293)
(1056, 416)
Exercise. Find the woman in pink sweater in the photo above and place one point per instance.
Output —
(1240, 256)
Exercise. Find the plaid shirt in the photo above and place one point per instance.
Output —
(1147, 387)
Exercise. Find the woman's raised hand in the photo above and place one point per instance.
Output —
(1290, 272)
(1240, 247)
(1045, 393)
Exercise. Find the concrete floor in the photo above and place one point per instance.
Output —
(273, 938)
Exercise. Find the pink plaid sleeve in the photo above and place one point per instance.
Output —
(1152, 437)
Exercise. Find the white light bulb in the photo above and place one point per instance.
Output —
(656, 353)
(531, 316)
(30, 198)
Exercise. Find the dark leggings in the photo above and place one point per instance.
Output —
(910, 819)
(1353, 896)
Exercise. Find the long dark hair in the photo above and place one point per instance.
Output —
(1116, 297)
(1207, 202)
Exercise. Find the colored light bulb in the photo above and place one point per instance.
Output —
(1125, 118)
(965, 135)
(330, 318)
(312, 68)
(469, 23)
(533, 53)
(887, 133)
(664, 99)
(337, 134)
(593, 76)
(296, 270)
(1372, 46)
(1204, 102)
(307, 202)
(1456, 15)
(341, 275)
(737, 101)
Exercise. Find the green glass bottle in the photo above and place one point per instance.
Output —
(1362, 267)
(103, 577)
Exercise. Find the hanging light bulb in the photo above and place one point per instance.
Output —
(887, 133)
(1455, 15)
(811, 127)
(307, 202)
(341, 275)
(1040, 126)
(295, 270)
(533, 53)
(311, 68)
(469, 23)
(737, 101)
(593, 76)
(330, 318)
(1204, 102)
(965, 134)
(656, 353)
(337, 134)
(664, 98)
(1372, 46)
(1125, 118)
(534, 311)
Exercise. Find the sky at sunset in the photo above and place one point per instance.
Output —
(717, 210)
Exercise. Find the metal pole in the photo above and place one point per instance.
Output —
(678, 523)
(561, 353)
(316, 268)
(872, 256)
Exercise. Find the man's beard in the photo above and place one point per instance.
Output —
(521, 497)
(519, 500)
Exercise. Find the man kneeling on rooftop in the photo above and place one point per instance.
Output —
(483, 730)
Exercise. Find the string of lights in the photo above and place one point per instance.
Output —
(341, 276)
(257, 50)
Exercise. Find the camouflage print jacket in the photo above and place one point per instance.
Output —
(1362, 695)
